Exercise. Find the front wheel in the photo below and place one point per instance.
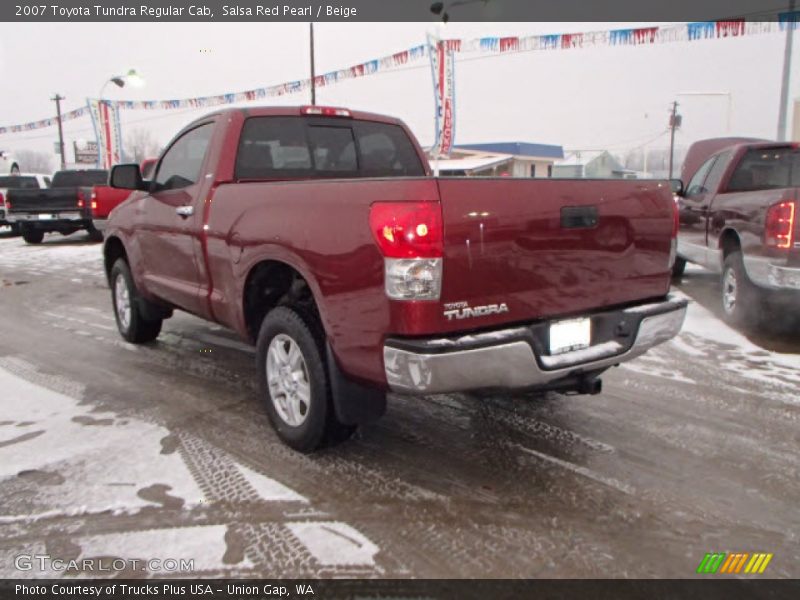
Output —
(127, 307)
(293, 380)
(742, 301)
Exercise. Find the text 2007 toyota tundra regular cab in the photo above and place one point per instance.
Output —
(320, 234)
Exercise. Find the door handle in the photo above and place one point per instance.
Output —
(185, 211)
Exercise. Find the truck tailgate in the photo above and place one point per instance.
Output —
(40, 201)
(550, 248)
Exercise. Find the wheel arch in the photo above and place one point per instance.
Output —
(728, 243)
(113, 249)
(272, 282)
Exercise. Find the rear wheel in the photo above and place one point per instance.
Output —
(678, 267)
(127, 307)
(742, 301)
(95, 235)
(32, 236)
(293, 380)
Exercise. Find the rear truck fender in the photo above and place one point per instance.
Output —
(277, 255)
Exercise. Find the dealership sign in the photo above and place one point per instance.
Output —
(105, 118)
(444, 92)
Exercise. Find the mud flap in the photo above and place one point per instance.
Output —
(355, 404)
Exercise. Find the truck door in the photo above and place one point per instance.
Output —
(171, 219)
(694, 210)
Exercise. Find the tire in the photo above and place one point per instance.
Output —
(95, 235)
(678, 268)
(32, 236)
(126, 303)
(293, 380)
(741, 300)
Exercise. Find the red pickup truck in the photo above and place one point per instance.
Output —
(104, 198)
(319, 234)
(739, 216)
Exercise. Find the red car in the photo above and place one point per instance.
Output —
(320, 235)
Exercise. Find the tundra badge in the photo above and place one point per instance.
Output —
(462, 310)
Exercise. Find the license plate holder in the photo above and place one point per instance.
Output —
(569, 335)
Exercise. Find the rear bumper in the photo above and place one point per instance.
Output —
(513, 358)
(784, 278)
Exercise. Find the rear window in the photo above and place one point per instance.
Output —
(80, 178)
(19, 182)
(766, 169)
(299, 147)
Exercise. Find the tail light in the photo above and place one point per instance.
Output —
(2, 198)
(779, 226)
(325, 111)
(410, 237)
(81, 202)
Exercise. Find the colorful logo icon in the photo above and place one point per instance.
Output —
(734, 562)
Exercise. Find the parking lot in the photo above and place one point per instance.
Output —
(164, 452)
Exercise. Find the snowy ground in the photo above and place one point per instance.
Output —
(163, 452)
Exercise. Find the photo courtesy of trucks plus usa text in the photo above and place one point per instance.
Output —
(463, 299)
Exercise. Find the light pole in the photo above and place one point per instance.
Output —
(132, 77)
(791, 23)
(57, 99)
(728, 111)
(674, 123)
(313, 84)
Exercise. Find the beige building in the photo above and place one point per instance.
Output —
(501, 159)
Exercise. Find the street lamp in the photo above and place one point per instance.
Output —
(439, 8)
(132, 78)
(730, 104)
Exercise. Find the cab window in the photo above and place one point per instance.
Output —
(696, 183)
(181, 164)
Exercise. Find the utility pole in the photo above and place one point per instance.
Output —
(791, 23)
(674, 123)
(313, 77)
(57, 99)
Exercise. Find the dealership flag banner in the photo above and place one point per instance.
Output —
(697, 32)
(444, 92)
(105, 118)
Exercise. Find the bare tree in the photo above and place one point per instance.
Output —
(31, 161)
(140, 144)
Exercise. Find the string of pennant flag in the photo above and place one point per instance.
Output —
(488, 45)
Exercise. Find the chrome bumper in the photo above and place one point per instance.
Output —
(507, 362)
(786, 278)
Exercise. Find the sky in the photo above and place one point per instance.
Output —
(614, 98)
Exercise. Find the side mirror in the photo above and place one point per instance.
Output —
(126, 177)
(676, 185)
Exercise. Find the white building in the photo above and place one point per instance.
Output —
(501, 159)
(591, 164)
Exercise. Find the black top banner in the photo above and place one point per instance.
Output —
(393, 10)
